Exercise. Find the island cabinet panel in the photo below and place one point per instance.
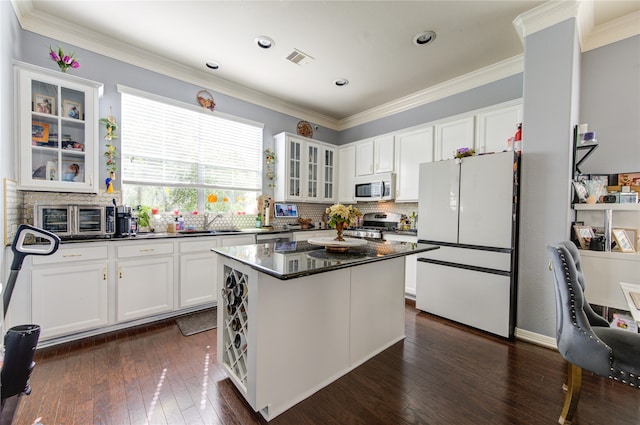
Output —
(285, 339)
(377, 308)
(303, 337)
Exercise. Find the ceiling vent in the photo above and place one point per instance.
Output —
(299, 58)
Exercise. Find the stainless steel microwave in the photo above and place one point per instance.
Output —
(378, 187)
(76, 220)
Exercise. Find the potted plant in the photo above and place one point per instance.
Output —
(144, 218)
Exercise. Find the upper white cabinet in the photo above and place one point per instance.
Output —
(306, 170)
(412, 148)
(496, 126)
(452, 135)
(346, 174)
(375, 156)
(58, 131)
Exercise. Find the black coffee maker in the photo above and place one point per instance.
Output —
(126, 224)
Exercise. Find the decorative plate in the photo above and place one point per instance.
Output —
(205, 99)
(332, 245)
(305, 129)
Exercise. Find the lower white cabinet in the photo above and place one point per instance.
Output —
(198, 272)
(309, 234)
(410, 262)
(70, 291)
(145, 280)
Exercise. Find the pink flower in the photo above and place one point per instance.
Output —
(75, 64)
(66, 59)
(54, 56)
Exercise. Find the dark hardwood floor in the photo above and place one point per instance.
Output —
(442, 373)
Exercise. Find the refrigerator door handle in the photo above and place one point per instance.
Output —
(465, 266)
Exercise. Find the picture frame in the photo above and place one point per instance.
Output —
(39, 132)
(584, 234)
(623, 240)
(72, 109)
(44, 104)
(604, 178)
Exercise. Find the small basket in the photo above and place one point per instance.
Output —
(205, 99)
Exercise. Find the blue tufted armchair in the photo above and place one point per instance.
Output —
(584, 338)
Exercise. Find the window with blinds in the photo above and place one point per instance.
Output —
(178, 157)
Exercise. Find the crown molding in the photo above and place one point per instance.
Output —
(618, 29)
(590, 36)
(477, 78)
(544, 16)
(31, 19)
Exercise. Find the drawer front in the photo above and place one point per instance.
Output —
(73, 254)
(144, 250)
(202, 244)
(471, 257)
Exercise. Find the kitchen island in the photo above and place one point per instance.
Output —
(293, 317)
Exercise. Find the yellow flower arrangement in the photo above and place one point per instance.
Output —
(339, 213)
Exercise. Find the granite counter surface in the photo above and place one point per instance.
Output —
(290, 260)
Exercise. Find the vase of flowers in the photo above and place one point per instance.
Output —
(63, 60)
(341, 216)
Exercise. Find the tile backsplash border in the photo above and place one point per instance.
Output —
(19, 208)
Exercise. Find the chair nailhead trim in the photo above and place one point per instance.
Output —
(613, 374)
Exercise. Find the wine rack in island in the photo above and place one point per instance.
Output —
(235, 332)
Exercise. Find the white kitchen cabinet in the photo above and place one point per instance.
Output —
(412, 148)
(198, 272)
(309, 234)
(496, 126)
(145, 279)
(375, 156)
(234, 240)
(57, 130)
(452, 135)
(69, 290)
(346, 174)
(306, 175)
(410, 262)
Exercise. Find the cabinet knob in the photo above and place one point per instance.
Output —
(104, 274)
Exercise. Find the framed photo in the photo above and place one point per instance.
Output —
(584, 235)
(39, 131)
(72, 109)
(44, 104)
(604, 178)
(624, 241)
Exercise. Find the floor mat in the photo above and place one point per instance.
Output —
(197, 322)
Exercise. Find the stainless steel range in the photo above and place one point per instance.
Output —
(373, 224)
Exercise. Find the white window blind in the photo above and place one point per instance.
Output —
(167, 145)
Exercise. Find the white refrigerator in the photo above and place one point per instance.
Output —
(469, 207)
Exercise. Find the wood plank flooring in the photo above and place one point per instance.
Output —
(442, 373)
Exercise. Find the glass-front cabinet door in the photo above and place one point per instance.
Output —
(313, 174)
(295, 176)
(58, 116)
(329, 174)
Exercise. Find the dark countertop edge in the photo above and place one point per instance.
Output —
(164, 235)
(326, 269)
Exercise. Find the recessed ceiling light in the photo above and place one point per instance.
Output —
(212, 65)
(264, 42)
(341, 82)
(423, 38)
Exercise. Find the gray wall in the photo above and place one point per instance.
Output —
(489, 94)
(550, 90)
(610, 104)
(110, 72)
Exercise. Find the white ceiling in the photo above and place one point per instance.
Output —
(367, 42)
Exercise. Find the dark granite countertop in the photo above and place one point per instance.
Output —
(289, 260)
(186, 234)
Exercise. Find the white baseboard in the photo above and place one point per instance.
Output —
(535, 338)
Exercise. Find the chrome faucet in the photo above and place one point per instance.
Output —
(208, 223)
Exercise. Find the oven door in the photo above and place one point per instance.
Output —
(89, 220)
(57, 219)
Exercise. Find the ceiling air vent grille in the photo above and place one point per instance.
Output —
(299, 58)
